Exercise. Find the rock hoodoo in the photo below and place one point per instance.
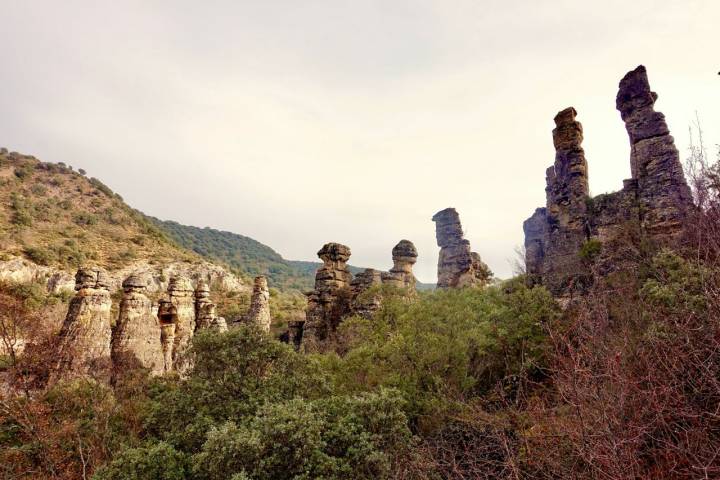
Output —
(662, 192)
(136, 339)
(404, 256)
(84, 339)
(167, 316)
(458, 266)
(653, 200)
(206, 310)
(181, 295)
(259, 313)
(330, 300)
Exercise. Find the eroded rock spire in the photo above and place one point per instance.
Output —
(259, 313)
(84, 339)
(136, 340)
(330, 300)
(457, 266)
(663, 193)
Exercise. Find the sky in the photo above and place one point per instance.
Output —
(300, 122)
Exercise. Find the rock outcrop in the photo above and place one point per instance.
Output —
(662, 192)
(136, 339)
(329, 302)
(652, 201)
(259, 313)
(404, 256)
(180, 293)
(167, 316)
(84, 340)
(458, 266)
(205, 314)
(558, 232)
(365, 304)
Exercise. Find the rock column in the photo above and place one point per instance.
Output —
(167, 315)
(404, 256)
(567, 199)
(136, 339)
(663, 193)
(181, 296)
(259, 313)
(330, 300)
(457, 266)
(84, 339)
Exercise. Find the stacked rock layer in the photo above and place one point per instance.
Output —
(652, 203)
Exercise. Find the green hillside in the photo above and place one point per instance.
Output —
(243, 253)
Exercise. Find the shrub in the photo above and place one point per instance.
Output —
(40, 255)
(590, 249)
(39, 190)
(24, 171)
(153, 461)
(84, 218)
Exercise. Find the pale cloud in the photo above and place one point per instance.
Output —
(298, 123)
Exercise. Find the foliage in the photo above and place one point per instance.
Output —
(446, 346)
(154, 461)
(590, 249)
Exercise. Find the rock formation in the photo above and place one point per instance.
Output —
(167, 316)
(259, 313)
(404, 256)
(654, 199)
(662, 192)
(136, 340)
(329, 302)
(205, 314)
(458, 266)
(558, 231)
(84, 339)
(366, 304)
(181, 295)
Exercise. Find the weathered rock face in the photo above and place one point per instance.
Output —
(330, 300)
(181, 295)
(204, 308)
(167, 316)
(404, 256)
(136, 340)
(366, 304)
(457, 266)
(84, 340)
(663, 194)
(259, 313)
(653, 201)
(555, 235)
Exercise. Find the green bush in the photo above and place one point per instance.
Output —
(40, 255)
(590, 249)
(446, 345)
(341, 437)
(21, 215)
(154, 461)
(85, 218)
(24, 171)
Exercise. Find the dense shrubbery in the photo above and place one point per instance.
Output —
(254, 408)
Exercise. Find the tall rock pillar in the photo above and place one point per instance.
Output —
(84, 339)
(136, 340)
(567, 195)
(330, 300)
(181, 296)
(458, 266)
(259, 313)
(663, 193)
(404, 256)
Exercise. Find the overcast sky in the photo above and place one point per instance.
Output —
(303, 122)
